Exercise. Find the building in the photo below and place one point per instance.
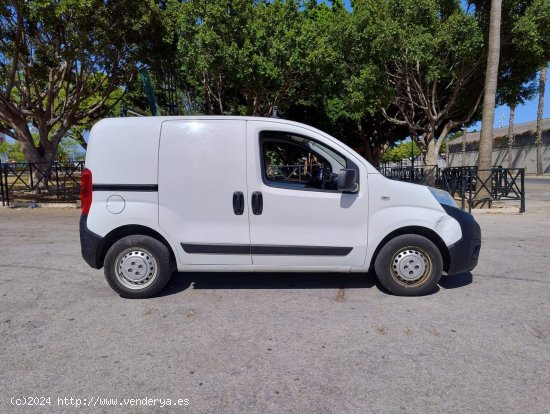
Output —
(522, 155)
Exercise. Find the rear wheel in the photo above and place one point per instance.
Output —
(409, 265)
(138, 266)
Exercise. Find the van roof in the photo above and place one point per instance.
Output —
(161, 119)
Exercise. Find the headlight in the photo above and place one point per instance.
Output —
(442, 197)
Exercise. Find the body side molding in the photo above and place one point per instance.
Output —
(125, 187)
(266, 249)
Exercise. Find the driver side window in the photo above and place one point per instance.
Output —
(290, 161)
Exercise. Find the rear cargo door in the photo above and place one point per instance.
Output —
(203, 192)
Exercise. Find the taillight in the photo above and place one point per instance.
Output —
(86, 190)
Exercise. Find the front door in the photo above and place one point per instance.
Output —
(297, 216)
(202, 190)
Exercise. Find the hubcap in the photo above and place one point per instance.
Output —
(136, 268)
(411, 266)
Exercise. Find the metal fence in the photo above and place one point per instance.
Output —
(291, 172)
(418, 175)
(26, 182)
(33, 182)
(468, 184)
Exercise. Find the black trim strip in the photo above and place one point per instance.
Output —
(216, 248)
(266, 249)
(126, 187)
(301, 250)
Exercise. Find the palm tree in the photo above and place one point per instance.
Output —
(488, 117)
(511, 136)
(542, 84)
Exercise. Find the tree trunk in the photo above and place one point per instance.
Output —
(40, 160)
(372, 155)
(542, 84)
(447, 154)
(431, 154)
(430, 159)
(464, 148)
(511, 136)
(488, 117)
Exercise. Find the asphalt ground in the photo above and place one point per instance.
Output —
(273, 343)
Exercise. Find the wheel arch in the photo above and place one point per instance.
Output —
(421, 231)
(131, 230)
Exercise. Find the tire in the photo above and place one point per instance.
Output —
(409, 265)
(138, 267)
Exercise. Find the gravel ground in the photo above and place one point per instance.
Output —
(266, 343)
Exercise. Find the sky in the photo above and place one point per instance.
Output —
(524, 113)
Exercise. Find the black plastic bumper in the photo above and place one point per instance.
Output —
(90, 244)
(464, 254)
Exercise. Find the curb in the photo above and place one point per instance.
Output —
(498, 210)
(43, 205)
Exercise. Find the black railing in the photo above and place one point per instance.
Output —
(58, 182)
(418, 175)
(291, 172)
(471, 186)
(33, 182)
(477, 187)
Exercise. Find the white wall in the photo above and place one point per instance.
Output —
(523, 157)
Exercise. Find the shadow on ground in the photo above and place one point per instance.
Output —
(456, 281)
(230, 280)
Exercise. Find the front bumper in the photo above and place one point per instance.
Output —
(90, 244)
(464, 254)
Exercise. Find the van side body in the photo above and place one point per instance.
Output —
(256, 194)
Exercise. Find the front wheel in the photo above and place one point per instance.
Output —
(138, 267)
(409, 265)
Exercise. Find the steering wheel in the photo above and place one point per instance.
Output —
(323, 177)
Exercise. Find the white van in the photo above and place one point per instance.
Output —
(244, 194)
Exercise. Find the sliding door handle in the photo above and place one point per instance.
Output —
(238, 203)
(257, 203)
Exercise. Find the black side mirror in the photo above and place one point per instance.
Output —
(347, 180)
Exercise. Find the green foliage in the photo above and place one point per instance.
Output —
(372, 76)
(11, 151)
(67, 149)
(524, 46)
(401, 152)
(432, 57)
(242, 57)
(456, 135)
(273, 157)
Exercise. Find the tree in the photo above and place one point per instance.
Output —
(61, 65)
(245, 58)
(511, 137)
(524, 42)
(401, 152)
(434, 55)
(524, 47)
(429, 52)
(354, 90)
(540, 109)
(11, 151)
(490, 90)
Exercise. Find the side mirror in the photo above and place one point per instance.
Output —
(347, 180)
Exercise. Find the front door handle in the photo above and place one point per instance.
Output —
(257, 203)
(238, 203)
